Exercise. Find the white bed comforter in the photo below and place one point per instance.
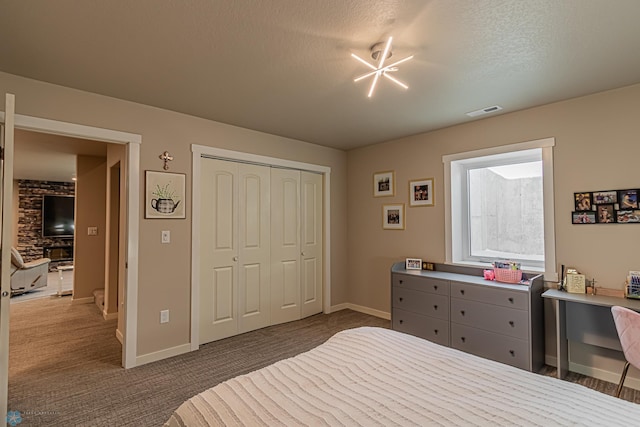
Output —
(378, 377)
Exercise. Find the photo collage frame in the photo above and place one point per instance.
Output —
(606, 207)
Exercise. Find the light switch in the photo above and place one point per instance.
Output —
(166, 236)
(164, 316)
(92, 231)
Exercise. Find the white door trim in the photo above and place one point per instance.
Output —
(132, 142)
(201, 150)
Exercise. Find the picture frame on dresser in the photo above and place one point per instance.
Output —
(413, 264)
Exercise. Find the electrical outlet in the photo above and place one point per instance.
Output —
(92, 231)
(166, 236)
(164, 316)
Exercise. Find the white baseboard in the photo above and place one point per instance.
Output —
(109, 316)
(119, 336)
(162, 354)
(87, 300)
(361, 309)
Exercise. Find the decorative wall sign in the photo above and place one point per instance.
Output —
(164, 195)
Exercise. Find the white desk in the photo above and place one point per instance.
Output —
(585, 318)
(62, 268)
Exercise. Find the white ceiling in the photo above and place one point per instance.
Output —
(284, 66)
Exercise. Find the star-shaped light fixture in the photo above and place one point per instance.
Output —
(381, 69)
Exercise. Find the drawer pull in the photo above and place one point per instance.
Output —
(435, 287)
(512, 353)
(511, 323)
(401, 321)
(435, 307)
(462, 338)
(511, 300)
(435, 331)
(400, 299)
(462, 291)
(462, 312)
(401, 281)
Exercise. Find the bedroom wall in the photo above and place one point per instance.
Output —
(165, 270)
(596, 149)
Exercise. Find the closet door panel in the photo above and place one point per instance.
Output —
(218, 246)
(311, 243)
(254, 218)
(285, 245)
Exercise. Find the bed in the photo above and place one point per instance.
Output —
(378, 377)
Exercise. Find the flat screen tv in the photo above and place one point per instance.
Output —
(57, 216)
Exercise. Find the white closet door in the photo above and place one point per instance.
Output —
(253, 247)
(285, 245)
(218, 250)
(311, 243)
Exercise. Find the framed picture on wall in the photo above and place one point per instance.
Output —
(164, 195)
(421, 192)
(582, 201)
(583, 217)
(605, 197)
(606, 214)
(628, 199)
(393, 217)
(384, 184)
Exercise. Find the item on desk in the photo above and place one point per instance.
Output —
(413, 264)
(575, 283)
(632, 288)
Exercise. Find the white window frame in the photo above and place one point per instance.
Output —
(455, 219)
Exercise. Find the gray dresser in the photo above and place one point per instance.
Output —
(460, 309)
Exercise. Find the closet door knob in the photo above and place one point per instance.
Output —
(235, 258)
(303, 254)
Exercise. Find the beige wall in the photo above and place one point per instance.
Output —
(165, 270)
(596, 149)
(89, 251)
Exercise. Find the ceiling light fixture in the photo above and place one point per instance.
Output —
(381, 69)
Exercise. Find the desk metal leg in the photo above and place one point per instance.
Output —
(562, 351)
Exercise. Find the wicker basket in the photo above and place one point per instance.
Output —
(506, 275)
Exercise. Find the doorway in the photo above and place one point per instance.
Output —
(130, 147)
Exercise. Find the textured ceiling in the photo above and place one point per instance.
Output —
(284, 66)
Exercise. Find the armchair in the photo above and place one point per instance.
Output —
(26, 276)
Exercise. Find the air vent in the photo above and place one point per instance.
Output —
(485, 110)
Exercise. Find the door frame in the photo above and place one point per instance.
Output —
(198, 151)
(132, 142)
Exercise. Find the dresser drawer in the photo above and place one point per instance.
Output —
(421, 302)
(502, 320)
(503, 297)
(436, 330)
(511, 351)
(420, 283)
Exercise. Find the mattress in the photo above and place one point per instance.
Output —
(379, 377)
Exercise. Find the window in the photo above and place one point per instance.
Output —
(499, 205)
